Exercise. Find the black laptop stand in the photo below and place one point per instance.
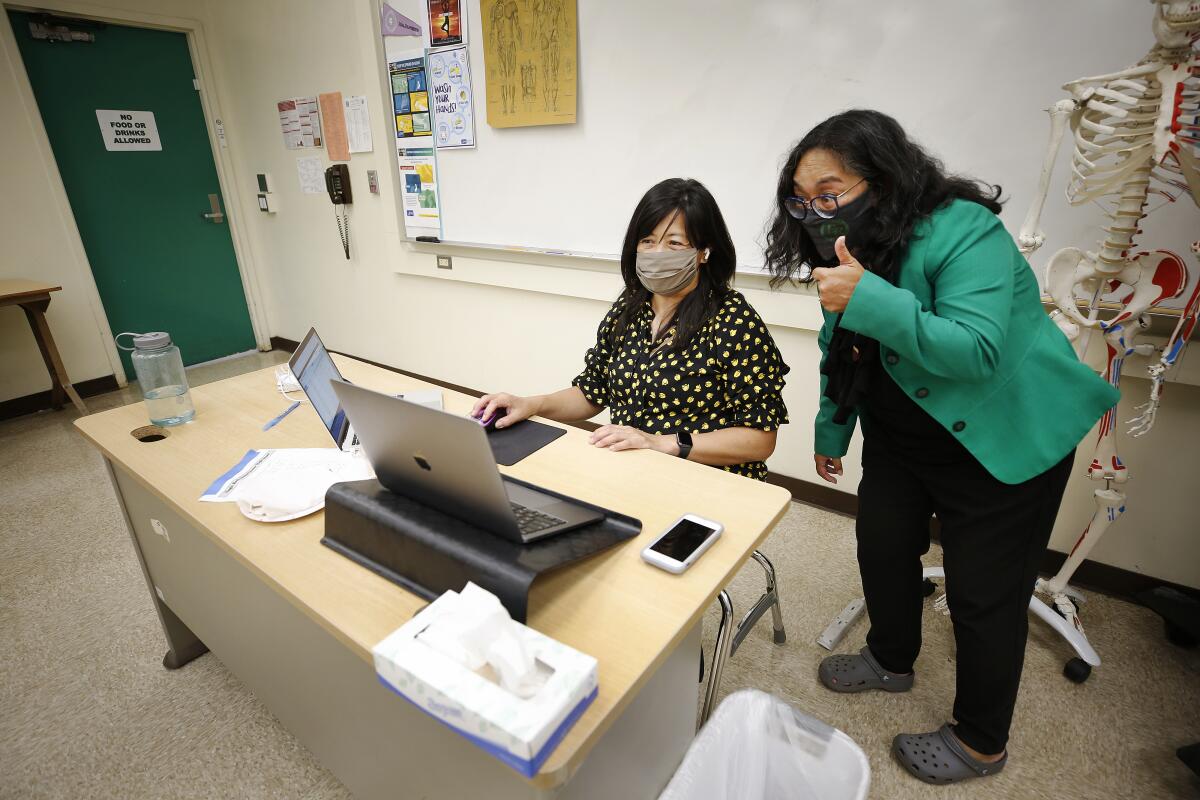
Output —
(429, 552)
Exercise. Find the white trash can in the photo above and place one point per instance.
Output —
(757, 747)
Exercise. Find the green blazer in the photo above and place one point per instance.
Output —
(963, 332)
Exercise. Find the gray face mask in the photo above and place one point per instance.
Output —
(668, 271)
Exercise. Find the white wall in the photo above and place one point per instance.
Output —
(522, 324)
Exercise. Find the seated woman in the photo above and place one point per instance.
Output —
(683, 363)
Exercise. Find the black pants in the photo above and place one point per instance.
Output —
(993, 536)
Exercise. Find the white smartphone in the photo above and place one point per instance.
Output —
(683, 543)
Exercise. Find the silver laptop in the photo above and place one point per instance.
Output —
(313, 369)
(444, 461)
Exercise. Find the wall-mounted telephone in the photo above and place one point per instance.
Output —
(337, 183)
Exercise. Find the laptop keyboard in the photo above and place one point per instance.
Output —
(530, 521)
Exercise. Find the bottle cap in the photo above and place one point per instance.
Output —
(151, 341)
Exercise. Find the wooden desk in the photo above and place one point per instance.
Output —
(296, 621)
(34, 298)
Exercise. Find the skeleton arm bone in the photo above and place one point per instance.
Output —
(1030, 237)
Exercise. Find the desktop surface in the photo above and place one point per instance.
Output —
(614, 606)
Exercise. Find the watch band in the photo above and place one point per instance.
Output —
(684, 440)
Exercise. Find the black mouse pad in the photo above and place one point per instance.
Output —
(510, 445)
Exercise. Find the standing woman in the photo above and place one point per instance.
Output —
(971, 403)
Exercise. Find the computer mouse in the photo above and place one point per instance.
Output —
(489, 424)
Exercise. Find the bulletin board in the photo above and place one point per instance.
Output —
(719, 91)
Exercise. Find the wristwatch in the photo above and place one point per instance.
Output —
(684, 440)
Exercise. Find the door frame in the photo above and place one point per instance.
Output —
(193, 29)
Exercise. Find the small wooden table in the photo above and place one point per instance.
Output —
(34, 298)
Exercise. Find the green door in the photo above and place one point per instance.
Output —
(158, 263)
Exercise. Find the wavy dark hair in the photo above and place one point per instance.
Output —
(705, 229)
(906, 185)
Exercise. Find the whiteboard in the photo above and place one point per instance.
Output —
(719, 90)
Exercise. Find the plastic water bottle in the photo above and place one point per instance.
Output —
(159, 369)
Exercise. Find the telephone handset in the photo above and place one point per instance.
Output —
(337, 183)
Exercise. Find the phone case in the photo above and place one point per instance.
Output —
(678, 567)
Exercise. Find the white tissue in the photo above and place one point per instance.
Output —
(477, 630)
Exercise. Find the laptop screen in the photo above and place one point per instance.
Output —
(313, 369)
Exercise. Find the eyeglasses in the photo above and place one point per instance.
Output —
(824, 206)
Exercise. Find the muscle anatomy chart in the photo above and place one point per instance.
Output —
(529, 54)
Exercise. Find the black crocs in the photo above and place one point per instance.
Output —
(939, 757)
(860, 673)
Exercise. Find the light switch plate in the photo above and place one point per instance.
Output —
(373, 181)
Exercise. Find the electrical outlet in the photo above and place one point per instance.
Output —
(445, 262)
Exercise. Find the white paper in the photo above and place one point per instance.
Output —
(451, 98)
(312, 176)
(418, 185)
(281, 484)
(300, 121)
(128, 130)
(358, 123)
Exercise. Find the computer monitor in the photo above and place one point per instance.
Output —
(313, 370)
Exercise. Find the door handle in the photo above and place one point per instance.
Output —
(216, 215)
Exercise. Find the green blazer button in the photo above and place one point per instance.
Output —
(958, 426)
(922, 392)
(892, 358)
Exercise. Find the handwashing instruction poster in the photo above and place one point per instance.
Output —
(453, 104)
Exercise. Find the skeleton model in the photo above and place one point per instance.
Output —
(1136, 134)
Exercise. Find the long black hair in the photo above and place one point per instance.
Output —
(705, 229)
(906, 185)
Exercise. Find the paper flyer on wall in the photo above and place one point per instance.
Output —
(358, 123)
(300, 122)
(453, 101)
(418, 183)
(410, 97)
(337, 143)
(312, 174)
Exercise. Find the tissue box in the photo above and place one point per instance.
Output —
(521, 732)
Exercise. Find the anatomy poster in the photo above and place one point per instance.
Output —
(418, 185)
(410, 97)
(453, 103)
(529, 57)
(445, 23)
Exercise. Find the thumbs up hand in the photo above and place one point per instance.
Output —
(835, 285)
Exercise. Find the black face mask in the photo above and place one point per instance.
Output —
(853, 221)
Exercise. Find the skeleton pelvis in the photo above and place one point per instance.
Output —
(1151, 277)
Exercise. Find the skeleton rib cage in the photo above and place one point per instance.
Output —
(1128, 146)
